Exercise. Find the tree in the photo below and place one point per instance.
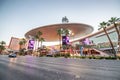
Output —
(65, 20)
(24, 41)
(2, 43)
(66, 32)
(2, 47)
(62, 32)
(36, 40)
(59, 33)
(114, 21)
(41, 40)
(21, 43)
(103, 26)
(39, 33)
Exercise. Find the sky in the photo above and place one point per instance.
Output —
(19, 16)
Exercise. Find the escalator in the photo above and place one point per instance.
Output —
(101, 53)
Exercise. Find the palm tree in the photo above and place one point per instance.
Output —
(66, 32)
(113, 21)
(62, 32)
(36, 40)
(41, 40)
(24, 41)
(20, 44)
(2, 47)
(59, 33)
(103, 26)
(39, 33)
(2, 43)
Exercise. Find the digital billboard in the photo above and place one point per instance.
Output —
(65, 40)
(31, 44)
(86, 41)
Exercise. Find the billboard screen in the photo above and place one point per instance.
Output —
(31, 44)
(86, 41)
(65, 40)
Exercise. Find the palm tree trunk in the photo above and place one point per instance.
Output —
(38, 44)
(41, 44)
(35, 44)
(119, 39)
(116, 28)
(113, 50)
(0, 51)
(20, 47)
(118, 32)
(60, 41)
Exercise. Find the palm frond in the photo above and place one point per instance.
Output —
(102, 25)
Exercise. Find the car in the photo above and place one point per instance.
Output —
(49, 55)
(12, 55)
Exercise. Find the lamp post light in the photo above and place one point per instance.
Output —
(73, 35)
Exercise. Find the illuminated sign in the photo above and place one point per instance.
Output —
(31, 44)
(86, 41)
(65, 40)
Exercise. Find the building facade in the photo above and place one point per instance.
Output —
(100, 41)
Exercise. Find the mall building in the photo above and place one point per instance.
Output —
(81, 34)
(99, 40)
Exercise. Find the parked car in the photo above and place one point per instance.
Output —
(12, 55)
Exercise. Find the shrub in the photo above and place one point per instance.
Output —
(67, 55)
(82, 57)
(57, 55)
(110, 57)
(99, 57)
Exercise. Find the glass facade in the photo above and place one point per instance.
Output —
(102, 38)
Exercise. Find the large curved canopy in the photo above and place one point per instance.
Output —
(50, 31)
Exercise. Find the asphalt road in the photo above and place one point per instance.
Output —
(48, 68)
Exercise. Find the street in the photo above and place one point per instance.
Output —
(50, 68)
